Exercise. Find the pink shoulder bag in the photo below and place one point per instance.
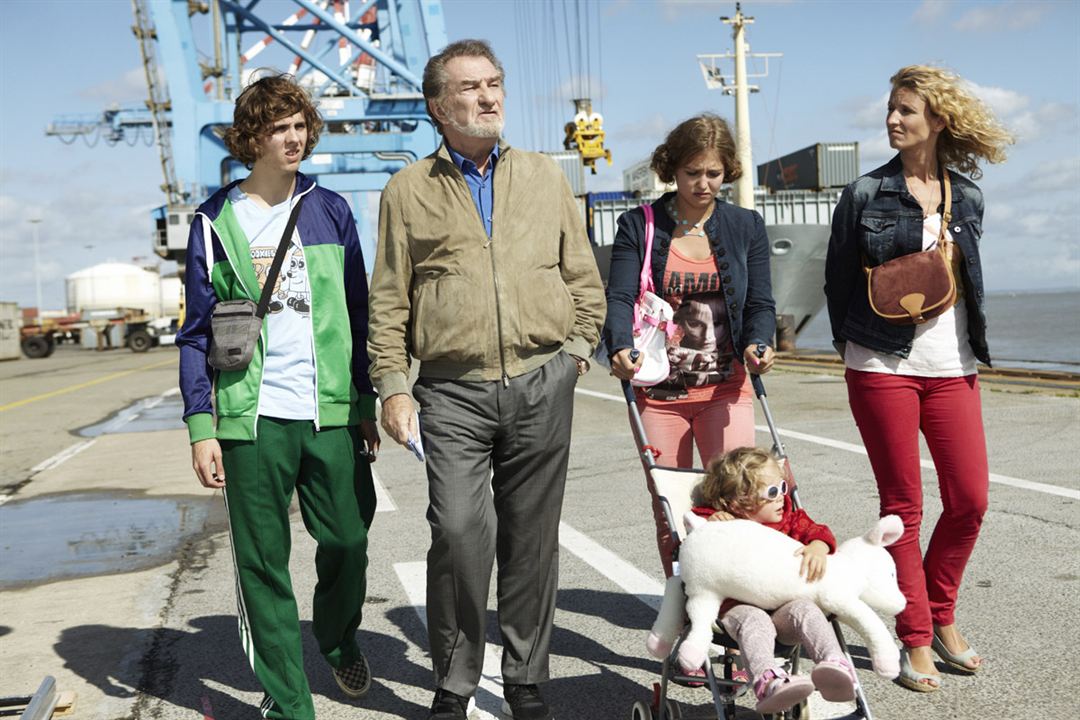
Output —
(653, 319)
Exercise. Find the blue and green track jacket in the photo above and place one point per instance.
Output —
(339, 316)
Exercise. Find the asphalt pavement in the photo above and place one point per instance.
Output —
(157, 638)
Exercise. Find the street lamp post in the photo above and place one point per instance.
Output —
(34, 222)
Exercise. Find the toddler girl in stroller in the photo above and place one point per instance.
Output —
(748, 483)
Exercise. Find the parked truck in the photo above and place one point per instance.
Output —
(10, 323)
(98, 330)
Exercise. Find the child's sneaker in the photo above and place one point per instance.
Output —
(778, 691)
(834, 678)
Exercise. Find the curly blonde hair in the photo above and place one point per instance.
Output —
(733, 480)
(693, 136)
(971, 131)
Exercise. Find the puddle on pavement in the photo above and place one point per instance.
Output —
(162, 412)
(66, 536)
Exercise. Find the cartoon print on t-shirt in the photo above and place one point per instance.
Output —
(261, 259)
(291, 287)
(295, 289)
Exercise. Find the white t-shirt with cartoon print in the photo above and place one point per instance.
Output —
(288, 380)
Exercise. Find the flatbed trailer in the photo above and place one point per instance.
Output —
(127, 327)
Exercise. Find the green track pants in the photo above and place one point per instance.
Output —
(337, 503)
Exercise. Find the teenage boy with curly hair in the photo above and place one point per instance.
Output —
(300, 416)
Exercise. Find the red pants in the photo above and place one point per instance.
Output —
(674, 428)
(890, 410)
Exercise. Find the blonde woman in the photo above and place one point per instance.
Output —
(903, 379)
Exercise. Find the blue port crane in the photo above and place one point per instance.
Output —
(363, 66)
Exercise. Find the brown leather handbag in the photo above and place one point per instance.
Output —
(913, 288)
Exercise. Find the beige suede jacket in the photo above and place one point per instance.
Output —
(469, 307)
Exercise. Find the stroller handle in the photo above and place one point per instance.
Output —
(759, 386)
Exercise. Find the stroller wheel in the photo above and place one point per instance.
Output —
(673, 712)
(641, 711)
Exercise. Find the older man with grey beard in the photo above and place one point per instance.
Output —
(484, 274)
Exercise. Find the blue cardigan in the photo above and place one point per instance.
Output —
(740, 249)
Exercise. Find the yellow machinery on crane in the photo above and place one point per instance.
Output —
(585, 133)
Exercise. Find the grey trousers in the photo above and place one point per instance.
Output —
(496, 466)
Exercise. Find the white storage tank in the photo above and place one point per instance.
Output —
(171, 290)
(112, 285)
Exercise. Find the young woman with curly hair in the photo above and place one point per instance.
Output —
(710, 260)
(903, 379)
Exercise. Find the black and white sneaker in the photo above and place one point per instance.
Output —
(523, 702)
(355, 679)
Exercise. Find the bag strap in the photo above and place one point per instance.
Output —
(946, 214)
(646, 282)
(279, 258)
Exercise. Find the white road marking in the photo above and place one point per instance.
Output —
(860, 450)
(413, 577)
(61, 457)
(49, 463)
(383, 501)
(602, 396)
(929, 464)
(124, 417)
(644, 587)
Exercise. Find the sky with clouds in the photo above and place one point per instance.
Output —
(635, 58)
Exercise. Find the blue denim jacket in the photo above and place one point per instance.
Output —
(740, 249)
(878, 217)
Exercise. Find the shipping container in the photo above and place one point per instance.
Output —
(570, 163)
(602, 214)
(820, 166)
(10, 323)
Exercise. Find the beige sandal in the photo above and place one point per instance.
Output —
(957, 661)
(912, 679)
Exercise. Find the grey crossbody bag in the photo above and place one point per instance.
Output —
(235, 325)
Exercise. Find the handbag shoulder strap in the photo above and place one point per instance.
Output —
(279, 258)
(646, 282)
(946, 211)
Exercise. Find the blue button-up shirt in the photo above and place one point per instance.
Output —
(479, 185)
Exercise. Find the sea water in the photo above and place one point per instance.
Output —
(1035, 330)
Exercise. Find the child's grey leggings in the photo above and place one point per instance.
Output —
(799, 621)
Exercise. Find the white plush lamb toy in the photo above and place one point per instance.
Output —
(746, 561)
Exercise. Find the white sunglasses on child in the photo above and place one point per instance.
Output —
(774, 491)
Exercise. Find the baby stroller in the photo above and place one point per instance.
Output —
(674, 487)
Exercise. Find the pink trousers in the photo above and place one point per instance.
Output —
(674, 428)
(890, 411)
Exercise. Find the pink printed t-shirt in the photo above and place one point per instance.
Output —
(703, 365)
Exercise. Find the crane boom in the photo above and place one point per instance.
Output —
(363, 72)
